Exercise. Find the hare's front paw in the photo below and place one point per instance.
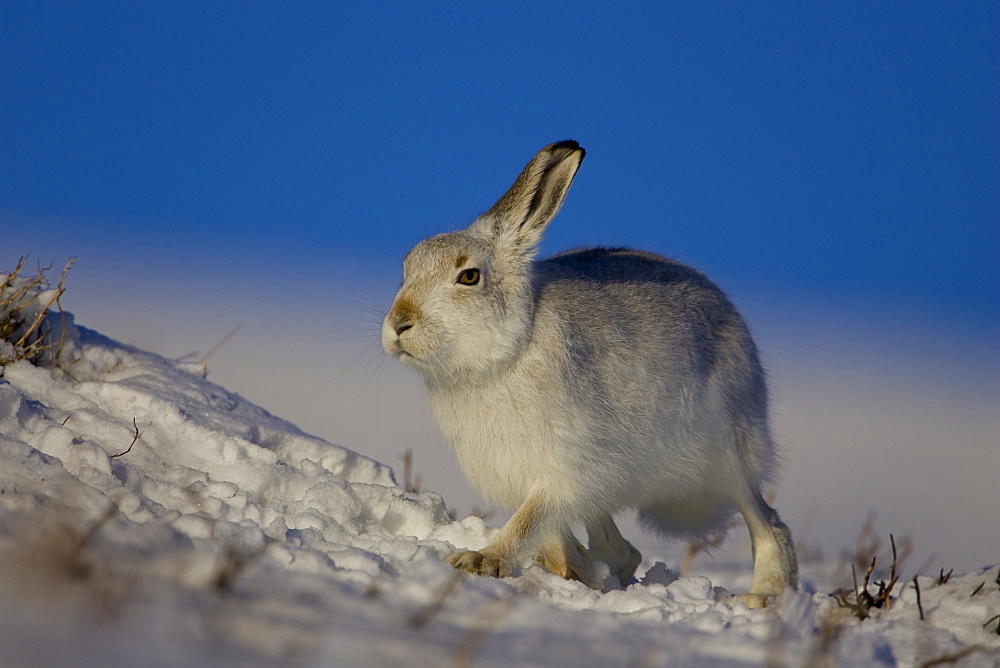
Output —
(480, 563)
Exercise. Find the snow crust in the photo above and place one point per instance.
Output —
(227, 536)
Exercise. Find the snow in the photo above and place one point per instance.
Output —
(227, 536)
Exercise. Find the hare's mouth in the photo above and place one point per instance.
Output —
(395, 348)
(407, 357)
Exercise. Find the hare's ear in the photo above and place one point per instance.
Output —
(524, 211)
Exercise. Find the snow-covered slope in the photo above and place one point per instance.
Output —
(226, 536)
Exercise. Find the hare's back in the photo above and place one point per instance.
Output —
(624, 271)
(641, 304)
(644, 329)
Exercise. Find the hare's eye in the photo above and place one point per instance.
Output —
(468, 277)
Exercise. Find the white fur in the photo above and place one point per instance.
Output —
(580, 385)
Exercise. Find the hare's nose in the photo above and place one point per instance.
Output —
(402, 316)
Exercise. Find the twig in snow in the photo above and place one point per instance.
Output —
(134, 439)
(484, 514)
(978, 589)
(57, 358)
(373, 589)
(98, 524)
(481, 513)
(994, 618)
(56, 550)
(958, 656)
(893, 576)
(920, 607)
(944, 577)
(75, 562)
(411, 483)
(234, 563)
(215, 349)
(852, 601)
(437, 603)
(485, 622)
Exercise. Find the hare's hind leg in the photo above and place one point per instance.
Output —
(608, 545)
(563, 555)
(774, 563)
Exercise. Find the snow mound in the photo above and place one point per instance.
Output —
(148, 516)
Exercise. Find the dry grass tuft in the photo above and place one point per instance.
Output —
(24, 303)
(413, 483)
(860, 601)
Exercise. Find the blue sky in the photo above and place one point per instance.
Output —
(844, 150)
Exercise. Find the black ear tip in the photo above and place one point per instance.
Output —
(568, 145)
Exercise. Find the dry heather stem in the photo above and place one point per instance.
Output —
(216, 348)
(32, 342)
(411, 483)
(860, 601)
(135, 438)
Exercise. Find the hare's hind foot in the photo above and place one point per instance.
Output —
(765, 590)
(480, 563)
(775, 567)
(756, 601)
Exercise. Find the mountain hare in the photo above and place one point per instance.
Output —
(584, 384)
